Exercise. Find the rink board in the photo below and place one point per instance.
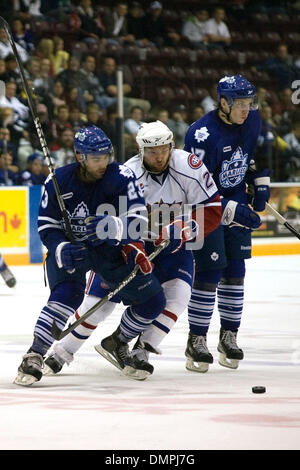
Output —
(20, 243)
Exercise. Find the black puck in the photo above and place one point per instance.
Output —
(258, 389)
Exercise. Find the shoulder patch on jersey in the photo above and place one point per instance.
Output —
(194, 161)
(201, 134)
(125, 171)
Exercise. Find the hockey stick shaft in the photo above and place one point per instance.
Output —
(282, 220)
(58, 334)
(36, 120)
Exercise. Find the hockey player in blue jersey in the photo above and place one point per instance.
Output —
(225, 140)
(170, 178)
(91, 187)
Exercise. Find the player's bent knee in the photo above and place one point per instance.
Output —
(68, 293)
(178, 294)
(153, 307)
(99, 315)
(236, 269)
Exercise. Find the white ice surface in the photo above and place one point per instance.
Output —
(91, 405)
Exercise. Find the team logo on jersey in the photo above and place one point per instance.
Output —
(233, 170)
(214, 256)
(201, 134)
(194, 161)
(125, 171)
(77, 218)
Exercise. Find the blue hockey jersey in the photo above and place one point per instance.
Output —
(116, 193)
(226, 150)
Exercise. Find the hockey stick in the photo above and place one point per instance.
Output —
(58, 334)
(282, 220)
(36, 120)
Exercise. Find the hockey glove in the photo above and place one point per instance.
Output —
(104, 228)
(239, 215)
(261, 190)
(134, 253)
(178, 232)
(70, 256)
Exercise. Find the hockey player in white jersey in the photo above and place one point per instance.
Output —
(173, 178)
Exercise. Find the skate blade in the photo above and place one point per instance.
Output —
(134, 374)
(196, 366)
(229, 363)
(25, 379)
(48, 371)
(107, 356)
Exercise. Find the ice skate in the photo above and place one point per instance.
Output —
(114, 350)
(230, 353)
(137, 365)
(8, 277)
(30, 370)
(197, 354)
(56, 360)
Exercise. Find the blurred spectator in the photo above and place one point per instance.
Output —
(6, 49)
(60, 57)
(34, 172)
(91, 30)
(44, 50)
(156, 29)
(266, 139)
(115, 24)
(209, 103)
(95, 117)
(22, 35)
(42, 113)
(135, 25)
(12, 69)
(29, 8)
(32, 68)
(72, 76)
(74, 99)
(108, 80)
(280, 67)
(60, 122)
(283, 110)
(164, 116)
(197, 113)
(178, 125)
(8, 145)
(75, 118)
(44, 83)
(194, 28)
(293, 137)
(91, 87)
(55, 98)
(3, 73)
(7, 177)
(63, 151)
(21, 112)
(133, 123)
(217, 32)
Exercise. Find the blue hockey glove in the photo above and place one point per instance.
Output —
(178, 232)
(70, 256)
(261, 190)
(104, 228)
(239, 215)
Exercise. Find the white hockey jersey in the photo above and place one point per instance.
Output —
(186, 182)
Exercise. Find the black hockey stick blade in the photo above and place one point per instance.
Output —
(282, 220)
(59, 334)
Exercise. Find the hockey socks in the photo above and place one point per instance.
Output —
(200, 310)
(230, 304)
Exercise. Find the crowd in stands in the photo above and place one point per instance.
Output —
(71, 50)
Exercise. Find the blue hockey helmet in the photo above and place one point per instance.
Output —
(236, 87)
(92, 141)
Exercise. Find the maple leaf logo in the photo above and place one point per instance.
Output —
(15, 222)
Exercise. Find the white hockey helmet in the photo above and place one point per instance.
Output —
(153, 134)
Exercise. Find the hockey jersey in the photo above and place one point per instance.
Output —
(117, 193)
(226, 150)
(185, 183)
